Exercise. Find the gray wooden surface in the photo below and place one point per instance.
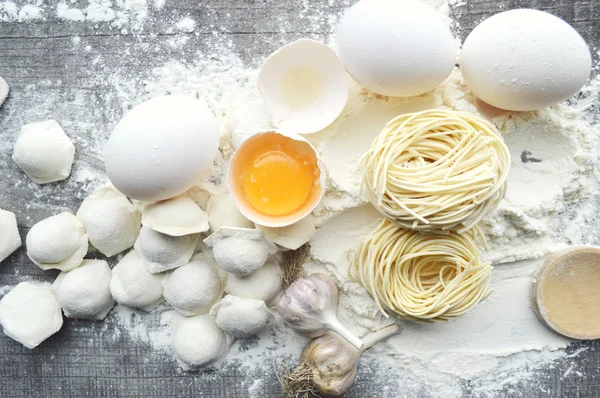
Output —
(39, 57)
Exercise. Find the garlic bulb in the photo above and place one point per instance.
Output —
(309, 307)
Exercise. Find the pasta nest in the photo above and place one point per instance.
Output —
(436, 170)
(421, 277)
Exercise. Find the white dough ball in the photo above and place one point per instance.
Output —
(222, 212)
(30, 313)
(9, 234)
(176, 217)
(396, 48)
(164, 252)
(44, 152)
(241, 316)
(264, 284)
(111, 222)
(523, 60)
(193, 288)
(58, 242)
(162, 147)
(84, 293)
(134, 286)
(198, 341)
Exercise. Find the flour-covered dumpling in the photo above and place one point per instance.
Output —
(9, 234)
(193, 288)
(111, 222)
(30, 313)
(197, 341)
(4, 90)
(134, 286)
(222, 212)
(264, 284)
(176, 217)
(241, 316)
(240, 251)
(164, 252)
(84, 293)
(58, 242)
(44, 152)
(292, 236)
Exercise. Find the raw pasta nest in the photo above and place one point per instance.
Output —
(421, 277)
(436, 170)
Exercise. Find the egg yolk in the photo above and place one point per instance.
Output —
(278, 180)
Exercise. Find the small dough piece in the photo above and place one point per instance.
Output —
(30, 313)
(134, 286)
(193, 288)
(111, 222)
(264, 284)
(164, 252)
(176, 217)
(240, 251)
(58, 242)
(84, 293)
(4, 90)
(9, 234)
(222, 212)
(292, 236)
(198, 341)
(44, 152)
(241, 316)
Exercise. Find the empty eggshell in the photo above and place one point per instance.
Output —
(176, 217)
(304, 85)
(264, 284)
(240, 251)
(241, 316)
(164, 252)
(111, 222)
(222, 212)
(293, 236)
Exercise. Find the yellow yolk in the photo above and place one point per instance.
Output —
(278, 177)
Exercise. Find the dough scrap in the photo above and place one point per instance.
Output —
(9, 234)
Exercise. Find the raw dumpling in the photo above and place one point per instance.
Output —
(198, 341)
(293, 236)
(4, 90)
(241, 316)
(240, 251)
(30, 313)
(193, 288)
(57, 242)
(9, 234)
(264, 284)
(164, 252)
(111, 222)
(176, 217)
(84, 293)
(133, 285)
(222, 212)
(44, 152)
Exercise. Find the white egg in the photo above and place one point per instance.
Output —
(397, 48)
(162, 147)
(522, 60)
(304, 85)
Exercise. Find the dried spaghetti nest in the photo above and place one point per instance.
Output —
(436, 170)
(421, 277)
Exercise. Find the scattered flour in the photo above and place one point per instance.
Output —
(186, 25)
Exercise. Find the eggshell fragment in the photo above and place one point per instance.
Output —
(240, 251)
(293, 236)
(164, 252)
(264, 284)
(222, 212)
(241, 316)
(304, 85)
(176, 217)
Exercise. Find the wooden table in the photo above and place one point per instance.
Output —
(50, 72)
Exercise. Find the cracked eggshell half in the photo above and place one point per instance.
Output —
(304, 85)
(260, 178)
(176, 217)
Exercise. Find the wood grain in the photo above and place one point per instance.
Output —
(50, 75)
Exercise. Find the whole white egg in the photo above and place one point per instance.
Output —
(396, 48)
(522, 60)
(162, 147)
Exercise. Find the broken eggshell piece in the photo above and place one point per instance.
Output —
(304, 85)
(176, 217)
(240, 251)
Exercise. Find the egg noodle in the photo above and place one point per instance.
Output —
(421, 277)
(436, 170)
